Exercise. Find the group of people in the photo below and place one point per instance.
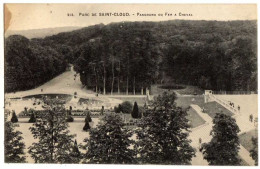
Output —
(233, 105)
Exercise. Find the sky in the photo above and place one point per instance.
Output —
(38, 16)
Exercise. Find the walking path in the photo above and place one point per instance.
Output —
(66, 83)
(204, 134)
(243, 153)
(248, 105)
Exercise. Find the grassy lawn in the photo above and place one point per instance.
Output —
(194, 118)
(185, 102)
(245, 139)
(181, 101)
(188, 90)
(140, 100)
(212, 108)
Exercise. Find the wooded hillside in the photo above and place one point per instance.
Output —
(130, 56)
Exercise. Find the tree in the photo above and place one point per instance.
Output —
(14, 118)
(117, 109)
(224, 146)
(32, 118)
(254, 150)
(76, 154)
(163, 134)
(54, 144)
(109, 142)
(14, 147)
(126, 107)
(30, 59)
(86, 126)
(135, 112)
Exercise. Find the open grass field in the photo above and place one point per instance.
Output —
(182, 101)
(140, 100)
(186, 101)
(187, 90)
(212, 108)
(194, 118)
(245, 139)
(190, 90)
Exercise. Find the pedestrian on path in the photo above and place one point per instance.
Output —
(251, 118)
(200, 142)
(238, 108)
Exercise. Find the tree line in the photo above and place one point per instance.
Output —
(28, 64)
(130, 56)
(162, 137)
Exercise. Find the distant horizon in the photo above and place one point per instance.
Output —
(124, 21)
(43, 16)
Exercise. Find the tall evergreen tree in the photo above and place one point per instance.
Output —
(254, 150)
(135, 112)
(224, 146)
(14, 118)
(14, 147)
(163, 135)
(32, 118)
(75, 152)
(54, 144)
(109, 142)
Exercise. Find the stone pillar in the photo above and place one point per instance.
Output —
(206, 95)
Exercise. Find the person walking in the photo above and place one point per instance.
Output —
(251, 118)
(200, 142)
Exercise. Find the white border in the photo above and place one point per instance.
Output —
(75, 166)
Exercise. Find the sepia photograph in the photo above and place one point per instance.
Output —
(157, 84)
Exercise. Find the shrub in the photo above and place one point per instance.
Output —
(126, 107)
(117, 109)
(14, 118)
(32, 118)
(135, 112)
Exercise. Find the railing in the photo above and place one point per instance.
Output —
(225, 104)
(234, 92)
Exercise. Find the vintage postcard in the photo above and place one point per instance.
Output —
(164, 84)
